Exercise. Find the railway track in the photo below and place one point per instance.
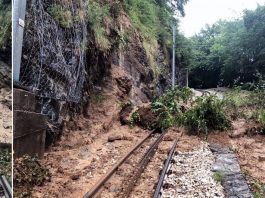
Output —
(5, 188)
(164, 171)
(139, 168)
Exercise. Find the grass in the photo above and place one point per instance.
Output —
(5, 21)
(60, 14)
(238, 97)
(98, 98)
(246, 104)
(154, 22)
(96, 14)
(259, 189)
(218, 176)
(135, 117)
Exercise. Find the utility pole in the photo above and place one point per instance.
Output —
(187, 77)
(174, 55)
(19, 12)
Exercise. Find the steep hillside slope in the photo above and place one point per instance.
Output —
(69, 48)
(5, 72)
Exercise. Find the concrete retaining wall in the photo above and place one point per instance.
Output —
(29, 126)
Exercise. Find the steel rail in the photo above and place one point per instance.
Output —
(157, 193)
(94, 190)
(142, 165)
(6, 187)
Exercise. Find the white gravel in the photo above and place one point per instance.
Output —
(191, 176)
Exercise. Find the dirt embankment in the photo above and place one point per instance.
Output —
(5, 104)
(250, 149)
(91, 144)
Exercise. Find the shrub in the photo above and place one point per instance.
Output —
(96, 15)
(135, 117)
(168, 107)
(28, 172)
(61, 15)
(259, 116)
(5, 21)
(207, 113)
(166, 114)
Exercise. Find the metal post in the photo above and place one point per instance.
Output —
(174, 54)
(19, 11)
(187, 77)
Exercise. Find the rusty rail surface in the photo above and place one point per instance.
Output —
(94, 190)
(142, 165)
(157, 193)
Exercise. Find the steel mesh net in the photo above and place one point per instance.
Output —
(53, 56)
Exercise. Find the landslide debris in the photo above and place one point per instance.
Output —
(28, 172)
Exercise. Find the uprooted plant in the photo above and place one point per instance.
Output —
(206, 114)
(169, 107)
(177, 108)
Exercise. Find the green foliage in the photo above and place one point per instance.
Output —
(206, 114)
(135, 117)
(154, 20)
(98, 98)
(61, 15)
(218, 176)
(6, 163)
(167, 116)
(5, 21)
(177, 94)
(96, 14)
(259, 189)
(28, 173)
(229, 51)
(125, 104)
(261, 117)
(168, 107)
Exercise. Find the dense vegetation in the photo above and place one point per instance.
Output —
(6, 163)
(153, 20)
(5, 21)
(229, 52)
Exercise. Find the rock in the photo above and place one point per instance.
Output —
(125, 113)
(119, 137)
(168, 138)
(125, 84)
(240, 132)
(233, 182)
(262, 158)
(191, 175)
(114, 138)
(60, 170)
(147, 118)
(75, 176)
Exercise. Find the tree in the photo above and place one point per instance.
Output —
(229, 51)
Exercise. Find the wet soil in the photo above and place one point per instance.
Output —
(250, 150)
(5, 116)
(89, 146)
(98, 140)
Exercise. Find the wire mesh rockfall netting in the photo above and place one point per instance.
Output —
(53, 56)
